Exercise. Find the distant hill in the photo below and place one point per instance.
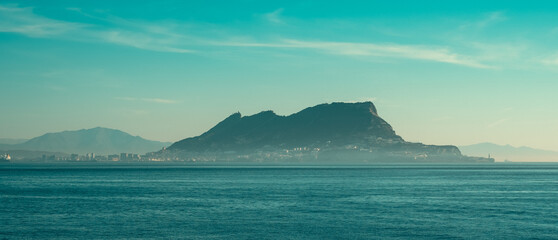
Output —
(95, 140)
(510, 153)
(326, 132)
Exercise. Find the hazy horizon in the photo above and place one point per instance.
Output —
(439, 73)
(21, 140)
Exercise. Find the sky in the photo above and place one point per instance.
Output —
(441, 72)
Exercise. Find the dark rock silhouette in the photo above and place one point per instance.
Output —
(332, 131)
(336, 123)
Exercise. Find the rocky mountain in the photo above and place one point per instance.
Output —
(336, 123)
(95, 140)
(510, 153)
(354, 130)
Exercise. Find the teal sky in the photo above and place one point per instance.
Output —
(443, 72)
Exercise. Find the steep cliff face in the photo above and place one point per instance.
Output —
(332, 124)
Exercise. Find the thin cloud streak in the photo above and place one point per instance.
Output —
(140, 41)
(496, 123)
(24, 21)
(552, 61)
(493, 17)
(490, 19)
(275, 16)
(435, 54)
(393, 50)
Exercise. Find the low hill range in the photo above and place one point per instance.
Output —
(337, 132)
(97, 140)
(510, 153)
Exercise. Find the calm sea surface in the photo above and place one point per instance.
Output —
(492, 201)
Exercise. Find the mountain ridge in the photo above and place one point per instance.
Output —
(325, 132)
(310, 126)
(510, 153)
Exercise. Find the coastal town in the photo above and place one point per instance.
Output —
(26, 156)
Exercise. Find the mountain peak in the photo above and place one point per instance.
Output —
(363, 107)
(335, 131)
(98, 129)
(235, 115)
(336, 122)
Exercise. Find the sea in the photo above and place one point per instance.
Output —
(427, 201)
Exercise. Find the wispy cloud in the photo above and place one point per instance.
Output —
(436, 54)
(491, 18)
(140, 41)
(393, 50)
(162, 39)
(496, 123)
(24, 21)
(274, 17)
(550, 60)
(486, 21)
(153, 100)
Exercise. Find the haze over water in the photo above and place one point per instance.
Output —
(499, 201)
